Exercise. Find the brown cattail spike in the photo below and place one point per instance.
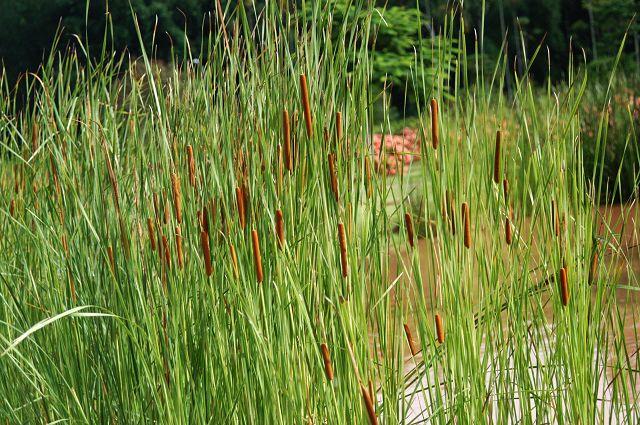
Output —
(152, 236)
(12, 207)
(234, 260)
(409, 224)
(328, 369)
(166, 251)
(496, 158)
(280, 228)
(434, 123)
(177, 196)
(564, 289)
(467, 225)
(368, 404)
(179, 247)
(343, 249)
(339, 125)
(507, 230)
(412, 343)
(192, 166)
(286, 128)
(240, 202)
(505, 189)
(439, 329)
(112, 260)
(305, 104)
(204, 242)
(257, 258)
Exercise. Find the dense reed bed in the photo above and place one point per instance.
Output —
(210, 243)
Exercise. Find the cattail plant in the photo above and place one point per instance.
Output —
(204, 242)
(505, 189)
(280, 228)
(179, 247)
(496, 158)
(166, 251)
(333, 176)
(328, 369)
(412, 343)
(467, 225)
(507, 230)
(152, 236)
(192, 166)
(339, 126)
(177, 196)
(368, 404)
(112, 260)
(305, 105)
(156, 206)
(439, 329)
(234, 260)
(564, 289)
(12, 207)
(434, 123)
(286, 128)
(343, 249)
(240, 203)
(257, 258)
(409, 224)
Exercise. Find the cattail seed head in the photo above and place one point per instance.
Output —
(177, 196)
(505, 189)
(286, 128)
(12, 207)
(280, 228)
(333, 176)
(234, 260)
(439, 329)
(257, 258)
(156, 206)
(166, 251)
(339, 125)
(368, 404)
(328, 369)
(412, 343)
(467, 225)
(564, 289)
(240, 203)
(112, 260)
(434, 123)
(204, 243)
(152, 236)
(179, 247)
(507, 230)
(192, 166)
(305, 105)
(409, 224)
(342, 238)
(496, 158)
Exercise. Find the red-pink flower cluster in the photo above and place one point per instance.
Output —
(394, 153)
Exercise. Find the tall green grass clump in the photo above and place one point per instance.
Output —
(209, 241)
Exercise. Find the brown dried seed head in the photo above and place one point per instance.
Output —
(496, 158)
(328, 369)
(241, 210)
(564, 289)
(339, 125)
(505, 188)
(439, 329)
(204, 243)
(305, 104)
(152, 236)
(12, 207)
(467, 225)
(507, 231)
(412, 343)
(434, 123)
(343, 249)
(286, 128)
(192, 166)
(234, 260)
(177, 196)
(368, 403)
(409, 224)
(257, 258)
(166, 251)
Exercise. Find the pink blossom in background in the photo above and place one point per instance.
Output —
(393, 153)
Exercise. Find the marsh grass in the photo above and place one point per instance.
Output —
(267, 296)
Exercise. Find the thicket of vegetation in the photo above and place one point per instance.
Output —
(211, 243)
